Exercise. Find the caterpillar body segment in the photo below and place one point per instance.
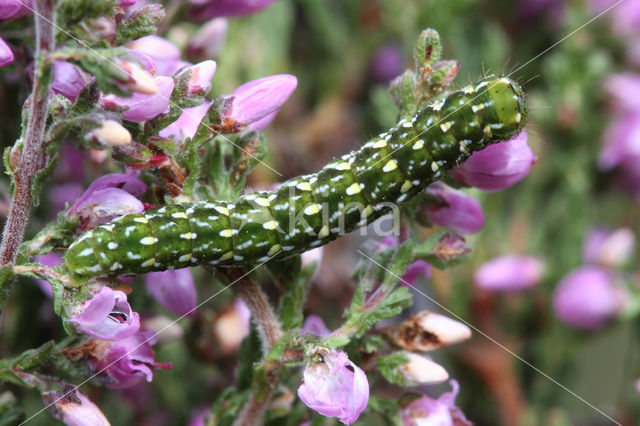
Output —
(311, 210)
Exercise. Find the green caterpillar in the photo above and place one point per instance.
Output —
(311, 210)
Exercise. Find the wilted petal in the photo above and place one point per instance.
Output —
(610, 248)
(509, 273)
(498, 166)
(313, 324)
(454, 209)
(426, 411)
(174, 290)
(141, 107)
(74, 408)
(419, 267)
(107, 316)
(334, 386)
(6, 54)
(110, 133)
(426, 331)
(140, 80)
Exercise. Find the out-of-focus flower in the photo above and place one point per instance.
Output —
(387, 63)
(68, 80)
(625, 17)
(231, 326)
(623, 91)
(199, 417)
(313, 324)
(8, 8)
(50, 259)
(165, 54)
(509, 273)
(426, 411)
(420, 370)
(74, 408)
(110, 133)
(205, 9)
(498, 166)
(106, 316)
(426, 331)
(60, 195)
(454, 209)
(334, 386)
(196, 80)
(628, 179)
(126, 362)
(609, 248)
(6, 54)
(187, 124)
(141, 107)
(165, 329)
(587, 298)
(174, 290)
(208, 41)
(415, 269)
(254, 100)
(621, 142)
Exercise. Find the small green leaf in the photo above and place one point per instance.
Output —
(388, 366)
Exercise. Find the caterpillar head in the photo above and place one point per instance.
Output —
(510, 108)
(80, 257)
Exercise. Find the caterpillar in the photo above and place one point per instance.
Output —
(311, 210)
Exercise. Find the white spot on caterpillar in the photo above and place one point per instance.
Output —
(407, 185)
(107, 227)
(116, 266)
(222, 210)
(324, 232)
(418, 145)
(518, 117)
(446, 126)
(185, 257)
(148, 263)
(353, 189)
(94, 268)
(238, 258)
(367, 211)
(179, 215)
(274, 249)
(487, 131)
(481, 85)
(380, 144)
(148, 241)
(112, 246)
(287, 248)
(434, 166)
(468, 89)
(86, 252)
(476, 108)
(262, 202)
(270, 225)
(496, 126)
(226, 233)
(188, 236)
(437, 105)
(133, 256)
(390, 166)
(311, 209)
(228, 255)
(140, 219)
(304, 186)
(402, 198)
(407, 124)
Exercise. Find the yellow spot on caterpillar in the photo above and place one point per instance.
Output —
(112, 246)
(367, 211)
(324, 232)
(487, 131)
(188, 236)
(148, 263)
(342, 166)
(274, 249)
(476, 108)
(468, 89)
(390, 166)
(148, 241)
(179, 215)
(228, 255)
(437, 105)
(518, 117)
(446, 126)
(311, 209)
(270, 225)
(354, 188)
(140, 219)
(304, 186)
(380, 144)
(406, 186)
(418, 145)
(263, 202)
(227, 233)
(407, 124)
(185, 257)
(222, 210)
(434, 166)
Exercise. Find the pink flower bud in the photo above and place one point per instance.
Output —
(174, 290)
(140, 81)
(68, 80)
(187, 124)
(74, 408)
(621, 142)
(205, 9)
(141, 107)
(454, 209)
(587, 298)
(6, 55)
(509, 273)
(125, 362)
(165, 54)
(420, 370)
(196, 80)
(254, 100)
(498, 166)
(334, 386)
(313, 324)
(608, 248)
(100, 205)
(106, 316)
(209, 39)
(387, 63)
(427, 411)
(8, 8)
(110, 133)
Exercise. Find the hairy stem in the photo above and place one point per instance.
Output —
(30, 159)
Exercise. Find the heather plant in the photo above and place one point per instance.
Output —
(162, 263)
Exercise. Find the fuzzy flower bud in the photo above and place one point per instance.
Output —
(587, 298)
(426, 411)
(6, 54)
(205, 9)
(498, 166)
(174, 290)
(454, 209)
(420, 370)
(74, 408)
(608, 248)
(509, 273)
(313, 324)
(110, 133)
(141, 107)
(208, 41)
(253, 101)
(106, 316)
(195, 81)
(426, 331)
(68, 80)
(334, 386)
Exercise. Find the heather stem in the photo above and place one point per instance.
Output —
(30, 159)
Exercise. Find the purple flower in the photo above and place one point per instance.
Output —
(8, 8)
(74, 408)
(625, 17)
(255, 100)
(313, 324)
(621, 142)
(60, 195)
(209, 39)
(334, 386)
(387, 63)
(141, 107)
(498, 166)
(454, 209)
(196, 79)
(587, 298)
(187, 124)
(426, 411)
(107, 316)
(6, 54)
(199, 417)
(623, 91)
(165, 54)
(509, 273)
(50, 260)
(69, 80)
(173, 290)
(608, 248)
(231, 326)
(205, 9)
(126, 362)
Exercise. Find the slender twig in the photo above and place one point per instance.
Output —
(30, 160)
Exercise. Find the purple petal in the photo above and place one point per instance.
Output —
(456, 210)
(165, 54)
(214, 8)
(509, 273)
(127, 182)
(419, 267)
(141, 107)
(106, 204)
(621, 141)
(69, 80)
(187, 124)
(209, 39)
(313, 324)
(498, 166)
(610, 248)
(427, 411)
(60, 195)
(8, 8)
(263, 123)
(623, 91)
(174, 290)
(107, 316)
(6, 54)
